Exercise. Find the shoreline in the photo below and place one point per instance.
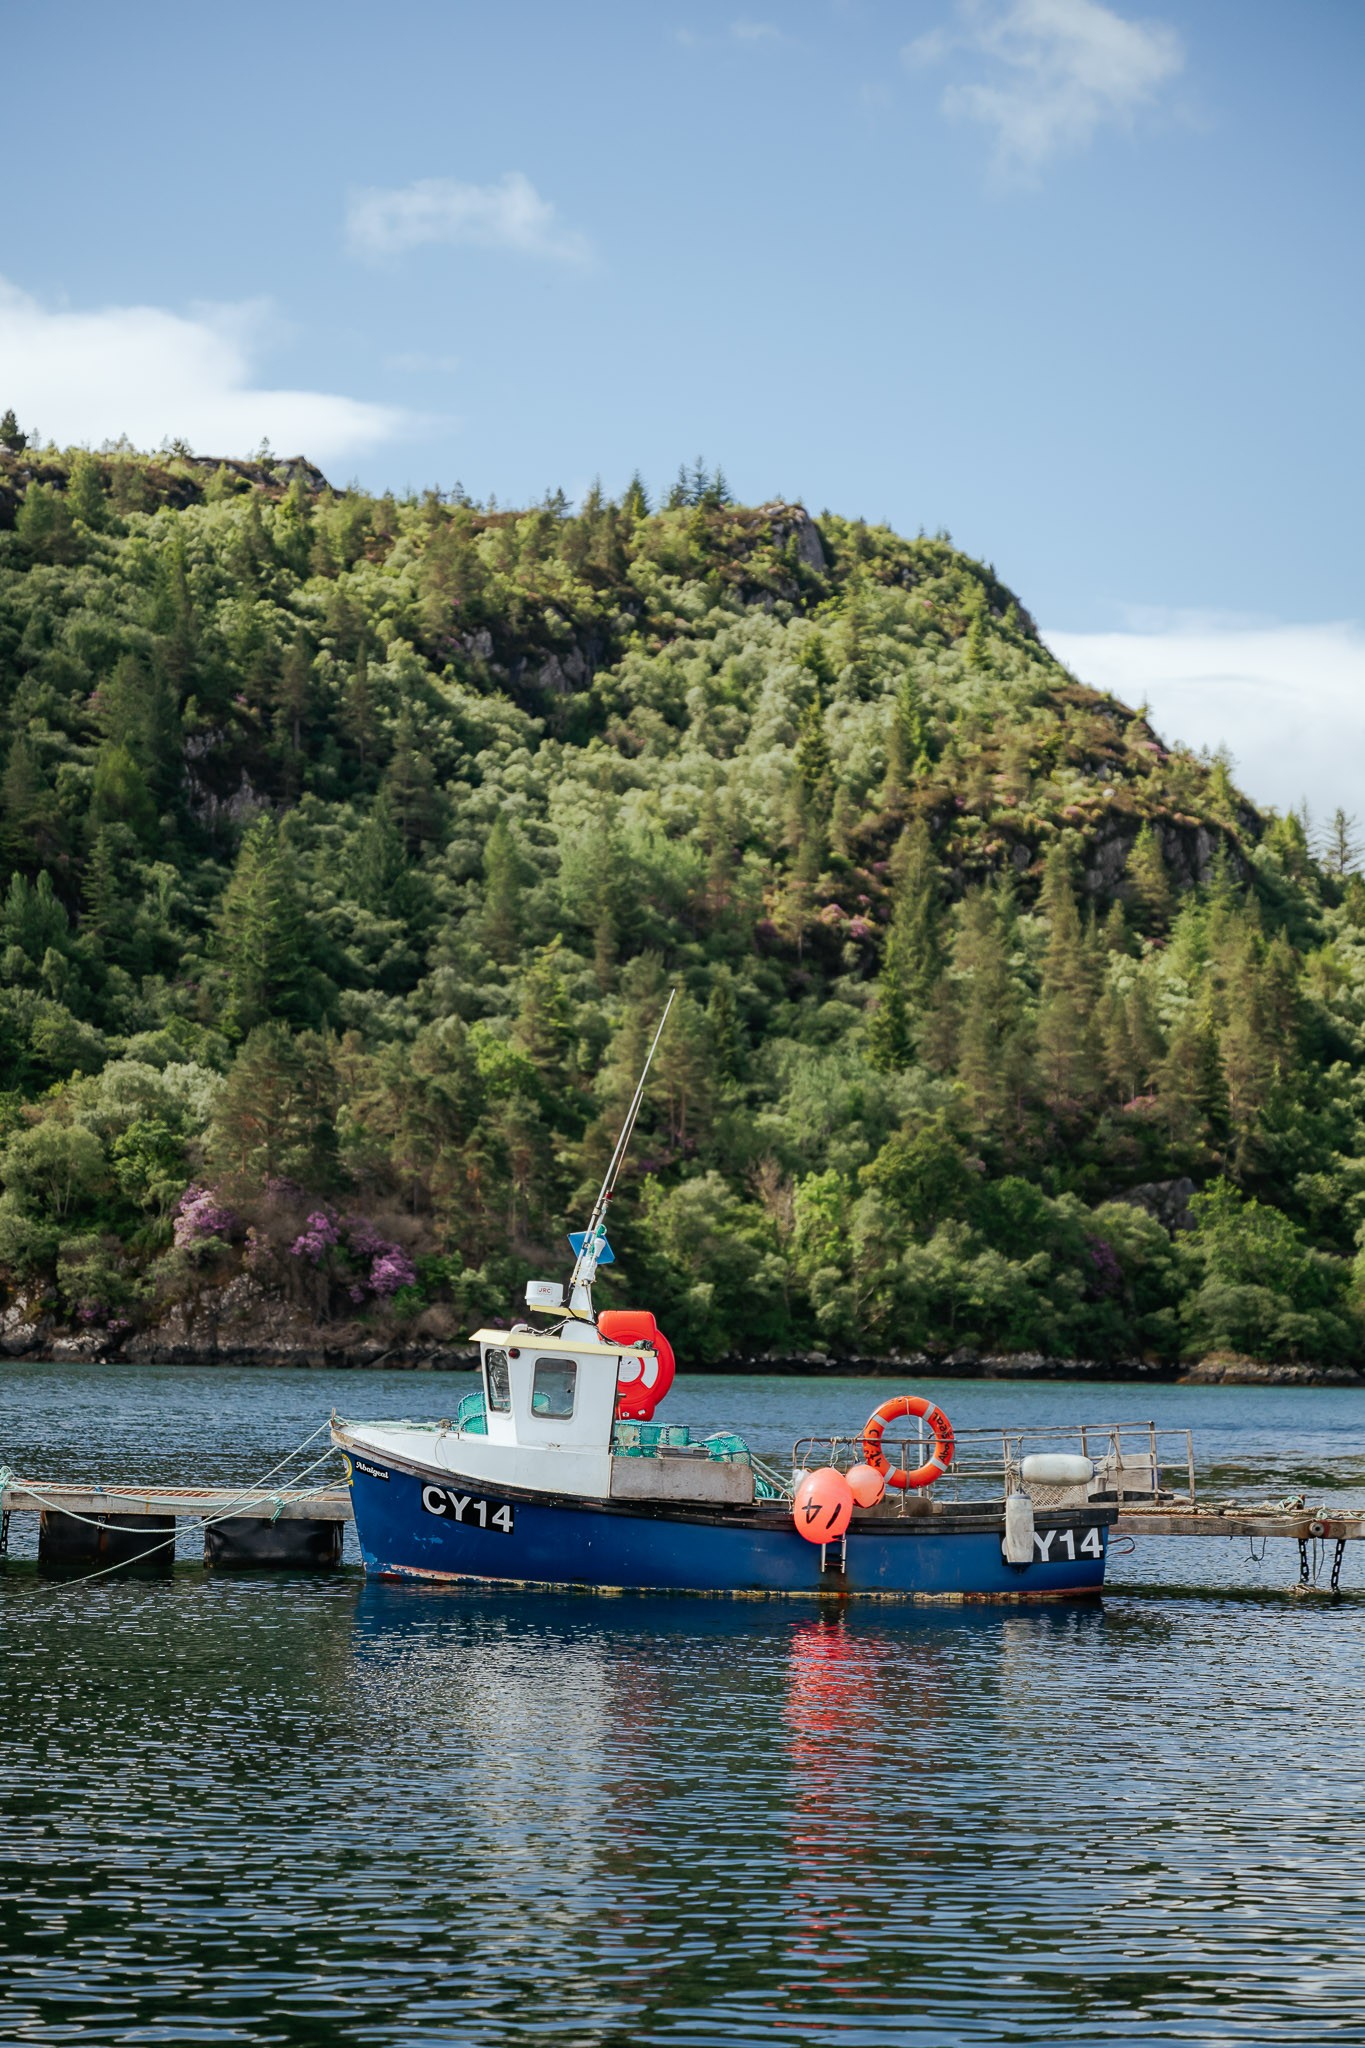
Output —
(45, 1346)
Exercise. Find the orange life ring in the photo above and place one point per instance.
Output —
(644, 1378)
(890, 1411)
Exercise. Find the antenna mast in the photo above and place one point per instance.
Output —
(595, 1236)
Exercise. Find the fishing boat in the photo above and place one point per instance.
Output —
(556, 1473)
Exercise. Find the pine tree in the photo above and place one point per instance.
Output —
(544, 1022)
(31, 831)
(722, 1018)
(85, 491)
(1149, 884)
(104, 889)
(992, 1063)
(716, 832)
(842, 817)
(44, 525)
(814, 767)
(907, 740)
(1068, 1049)
(377, 869)
(917, 909)
(177, 624)
(913, 957)
(1288, 840)
(1221, 791)
(409, 784)
(1131, 1039)
(502, 886)
(277, 1113)
(890, 1027)
(806, 837)
(11, 436)
(135, 708)
(686, 1075)
(1341, 845)
(360, 709)
(1114, 934)
(119, 795)
(263, 937)
(1186, 1088)
(610, 901)
(635, 503)
(294, 691)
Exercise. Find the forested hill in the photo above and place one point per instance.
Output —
(351, 844)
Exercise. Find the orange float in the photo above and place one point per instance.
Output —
(866, 1484)
(823, 1506)
(890, 1411)
(643, 1379)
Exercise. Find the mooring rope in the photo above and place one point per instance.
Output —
(252, 1497)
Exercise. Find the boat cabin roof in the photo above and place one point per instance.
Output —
(540, 1340)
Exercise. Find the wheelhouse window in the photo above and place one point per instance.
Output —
(552, 1388)
(498, 1384)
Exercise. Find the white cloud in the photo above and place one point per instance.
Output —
(151, 374)
(507, 215)
(1287, 701)
(756, 32)
(1057, 71)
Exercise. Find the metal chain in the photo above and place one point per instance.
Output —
(1336, 1567)
(1303, 1560)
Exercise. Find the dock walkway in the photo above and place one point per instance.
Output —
(286, 1527)
(1234, 1519)
(332, 1504)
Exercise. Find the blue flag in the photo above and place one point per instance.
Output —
(602, 1253)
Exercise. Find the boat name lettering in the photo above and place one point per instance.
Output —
(468, 1508)
(373, 1470)
(1052, 1546)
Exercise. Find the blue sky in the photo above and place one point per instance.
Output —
(1079, 282)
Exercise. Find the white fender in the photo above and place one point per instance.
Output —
(1018, 1543)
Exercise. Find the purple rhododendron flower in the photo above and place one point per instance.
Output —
(198, 1214)
(391, 1270)
(318, 1239)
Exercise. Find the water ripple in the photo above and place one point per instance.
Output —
(263, 1811)
(289, 1811)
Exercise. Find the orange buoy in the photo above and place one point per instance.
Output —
(866, 1484)
(823, 1506)
(645, 1373)
(934, 1467)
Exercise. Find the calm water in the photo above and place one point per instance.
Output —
(259, 1810)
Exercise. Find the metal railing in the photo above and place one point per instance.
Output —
(1129, 1461)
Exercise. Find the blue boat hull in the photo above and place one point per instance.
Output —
(432, 1525)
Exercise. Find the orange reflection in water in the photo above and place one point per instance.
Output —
(863, 1705)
